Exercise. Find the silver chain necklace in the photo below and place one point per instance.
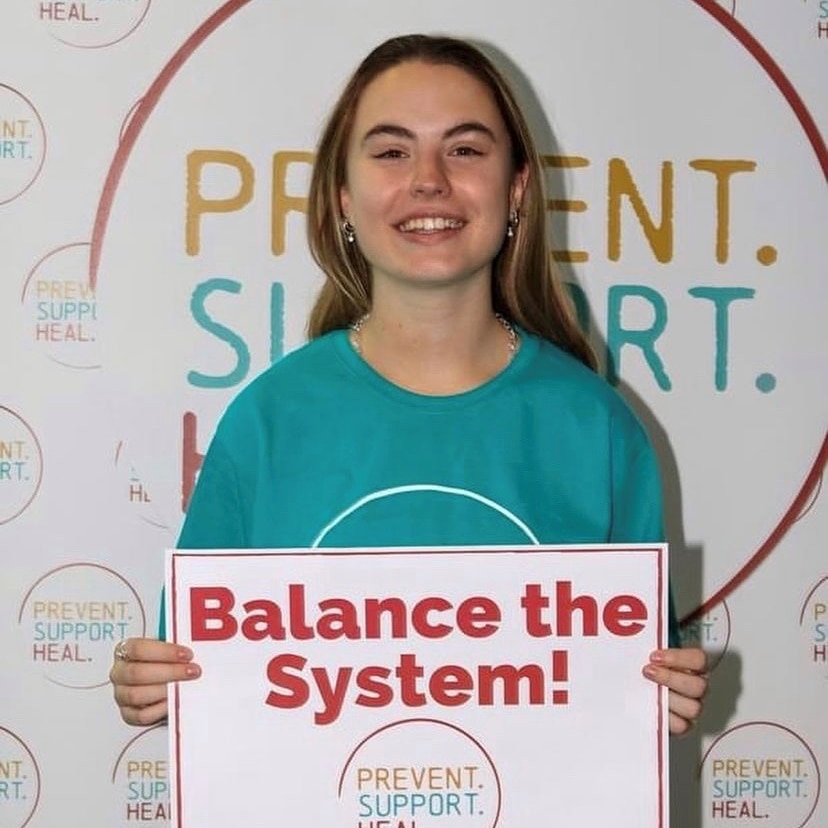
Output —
(355, 330)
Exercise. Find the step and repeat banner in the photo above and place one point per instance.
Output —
(154, 166)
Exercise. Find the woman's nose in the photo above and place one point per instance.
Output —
(429, 178)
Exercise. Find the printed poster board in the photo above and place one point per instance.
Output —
(415, 688)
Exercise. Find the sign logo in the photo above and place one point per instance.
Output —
(419, 772)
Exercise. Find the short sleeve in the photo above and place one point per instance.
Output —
(637, 502)
(215, 518)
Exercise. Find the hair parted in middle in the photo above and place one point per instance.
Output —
(526, 285)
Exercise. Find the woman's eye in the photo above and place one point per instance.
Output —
(390, 153)
(466, 151)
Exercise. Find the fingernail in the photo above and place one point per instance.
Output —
(193, 671)
(184, 654)
(650, 671)
(657, 656)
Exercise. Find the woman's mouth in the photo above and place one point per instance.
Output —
(430, 224)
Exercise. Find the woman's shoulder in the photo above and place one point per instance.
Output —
(584, 391)
(288, 381)
(559, 369)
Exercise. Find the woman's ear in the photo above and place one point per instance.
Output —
(518, 188)
(344, 202)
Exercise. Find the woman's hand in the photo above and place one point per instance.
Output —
(141, 670)
(683, 672)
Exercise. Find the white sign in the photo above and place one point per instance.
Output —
(418, 688)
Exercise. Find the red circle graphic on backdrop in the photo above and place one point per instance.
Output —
(141, 115)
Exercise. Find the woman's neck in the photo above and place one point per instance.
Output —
(435, 346)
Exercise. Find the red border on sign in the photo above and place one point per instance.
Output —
(659, 551)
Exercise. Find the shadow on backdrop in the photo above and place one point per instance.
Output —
(685, 558)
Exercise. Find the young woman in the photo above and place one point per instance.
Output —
(446, 396)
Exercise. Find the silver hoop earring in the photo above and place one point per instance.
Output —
(512, 223)
(348, 231)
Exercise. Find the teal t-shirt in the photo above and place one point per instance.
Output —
(322, 451)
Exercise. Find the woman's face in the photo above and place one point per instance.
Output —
(429, 176)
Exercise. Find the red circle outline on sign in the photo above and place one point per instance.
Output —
(742, 35)
(441, 723)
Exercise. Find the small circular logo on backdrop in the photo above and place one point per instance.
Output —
(134, 489)
(91, 24)
(140, 775)
(21, 465)
(19, 781)
(71, 620)
(421, 772)
(22, 143)
(711, 632)
(813, 621)
(819, 15)
(760, 771)
(60, 307)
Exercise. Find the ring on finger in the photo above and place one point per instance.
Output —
(121, 653)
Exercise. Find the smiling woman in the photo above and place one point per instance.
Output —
(427, 129)
(429, 186)
(444, 362)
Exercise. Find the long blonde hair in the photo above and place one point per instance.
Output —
(526, 285)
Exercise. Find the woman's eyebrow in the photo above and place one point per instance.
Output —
(388, 129)
(470, 126)
(397, 131)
